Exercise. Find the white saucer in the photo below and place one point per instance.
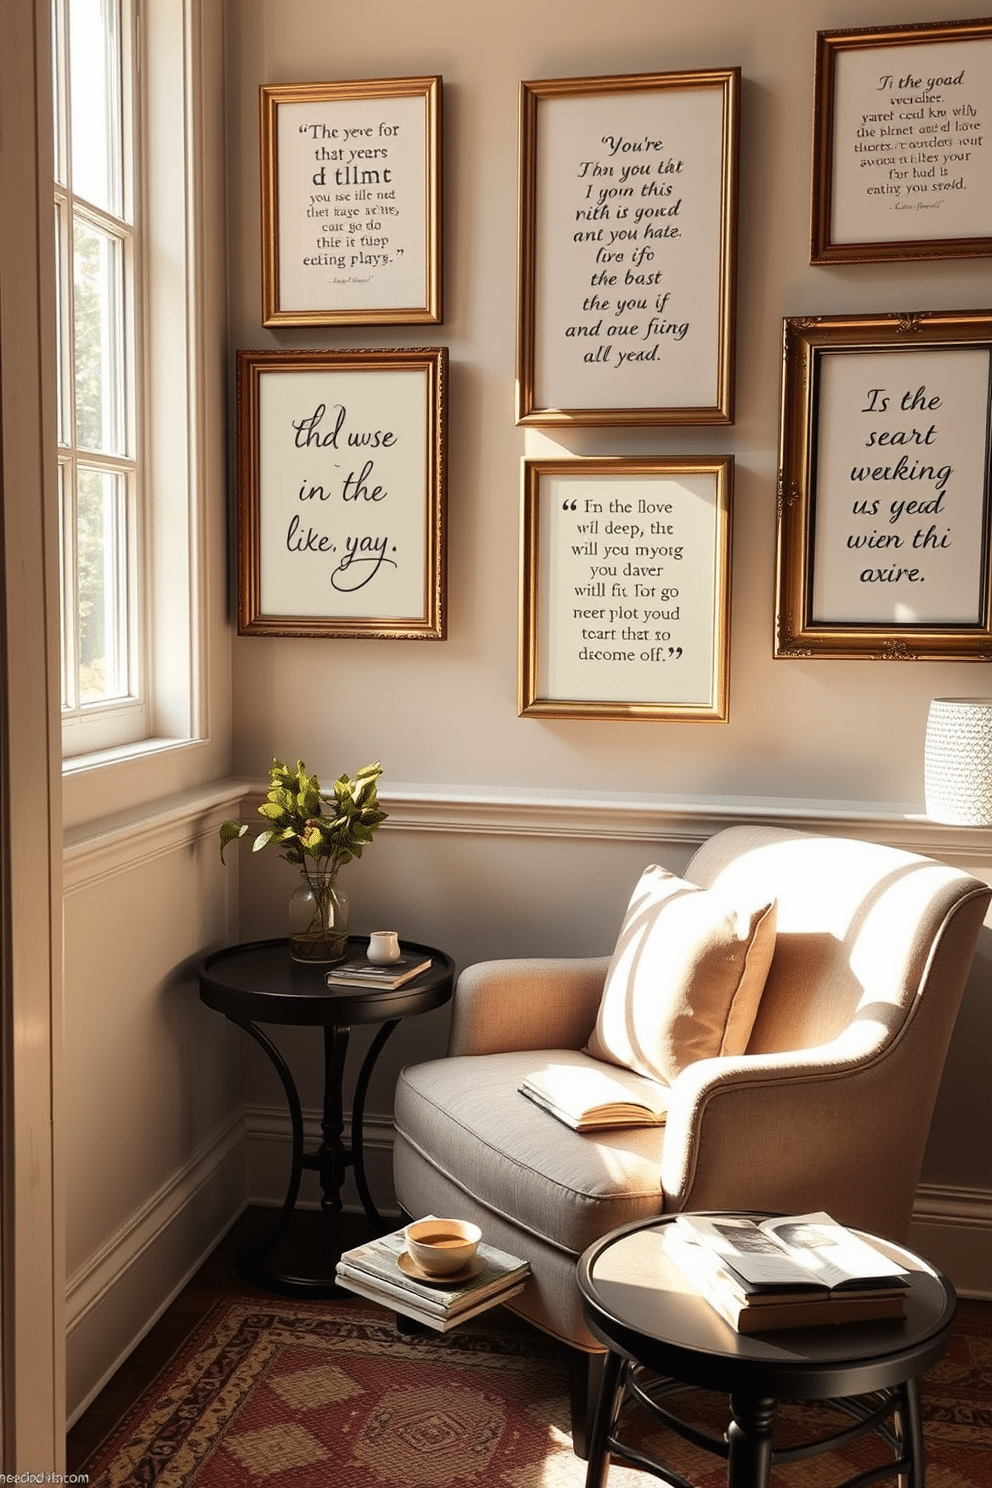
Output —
(410, 1267)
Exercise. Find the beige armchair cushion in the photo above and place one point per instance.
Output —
(510, 1157)
(686, 977)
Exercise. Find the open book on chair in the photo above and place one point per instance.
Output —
(586, 1097)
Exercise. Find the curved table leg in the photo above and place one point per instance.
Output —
(749, 1438)
(358, 1119)
(330, 1160)
(252, 1255)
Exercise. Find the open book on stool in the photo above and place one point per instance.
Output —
(792, 1271)
(383, 1271)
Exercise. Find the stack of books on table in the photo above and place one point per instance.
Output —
(803, 1270)
(383, 1271)
(356, 971)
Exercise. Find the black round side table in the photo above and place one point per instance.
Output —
(259, 982)
(661, 1336)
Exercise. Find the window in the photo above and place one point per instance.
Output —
(100, 429)
(138, 129)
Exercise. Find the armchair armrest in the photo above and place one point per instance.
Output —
(786, 1132)
(502, 1006)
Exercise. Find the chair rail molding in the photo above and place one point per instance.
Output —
(120, 843)
(534, 812)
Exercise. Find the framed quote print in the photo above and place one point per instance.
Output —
(628, 208)
(884, 490)
(625, 588)
(902, 157)
(341, 493)
(351, 202)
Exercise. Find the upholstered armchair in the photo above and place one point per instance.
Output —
(825, 1105)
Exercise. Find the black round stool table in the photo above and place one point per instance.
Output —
(259, 982)
(663, 1337)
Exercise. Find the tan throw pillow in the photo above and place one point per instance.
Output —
(685, 979)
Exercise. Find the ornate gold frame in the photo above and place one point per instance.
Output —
(426, 619)
(533, 194)
(537, 623)
(797, 634)
(831, 48)
(271, 98)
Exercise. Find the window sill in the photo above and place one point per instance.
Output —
(76, 764)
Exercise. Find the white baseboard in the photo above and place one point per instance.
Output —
(952, 1227)
(270, 1146)
(115, 1298)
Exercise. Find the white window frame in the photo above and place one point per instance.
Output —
(167, 426)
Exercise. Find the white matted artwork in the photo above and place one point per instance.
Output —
(885, 503)
(902, 162)
(341, 493)
(627, 249)
(351, 207)
(625, 588)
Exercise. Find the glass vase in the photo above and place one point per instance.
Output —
(318, 919)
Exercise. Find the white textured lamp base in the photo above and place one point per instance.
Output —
(958, 761)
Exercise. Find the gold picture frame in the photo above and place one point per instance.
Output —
(342, 493)
(902, 164)
(351, 202)
(628, 225)
(625, 588)
(884, 499)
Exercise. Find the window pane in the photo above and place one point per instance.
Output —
(99, 334)
(95, 101)
(101, 527)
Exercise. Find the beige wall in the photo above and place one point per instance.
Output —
(506, 835)
(850, 730)
(803, 736)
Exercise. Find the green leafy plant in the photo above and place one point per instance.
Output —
(303, 830)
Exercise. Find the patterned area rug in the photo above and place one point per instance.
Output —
(317, 1395)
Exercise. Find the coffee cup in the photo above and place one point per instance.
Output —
(441, 1247)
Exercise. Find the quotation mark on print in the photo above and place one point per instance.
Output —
(572, 505)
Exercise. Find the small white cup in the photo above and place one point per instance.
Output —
(384, 947)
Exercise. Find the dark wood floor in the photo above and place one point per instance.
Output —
(216, 1278)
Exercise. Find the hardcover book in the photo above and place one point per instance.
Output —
(794, 1272)
(356, 971)
(586, 1098)
(382, 1271)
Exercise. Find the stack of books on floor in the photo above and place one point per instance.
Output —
(382, 1271)
(799, 1271)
